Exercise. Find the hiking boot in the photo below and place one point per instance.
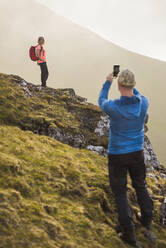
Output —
(147, 232)
(145, 222)
(133, 243)
(128, 237)
(150, 235)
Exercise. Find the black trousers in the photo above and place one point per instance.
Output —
(44, 73)
(119, 166)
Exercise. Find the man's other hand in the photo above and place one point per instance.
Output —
(110, 77)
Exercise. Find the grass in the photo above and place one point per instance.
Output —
(53, 195)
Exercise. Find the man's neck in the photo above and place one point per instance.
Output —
(127, 93)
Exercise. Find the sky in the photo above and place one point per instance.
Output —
(137, 25)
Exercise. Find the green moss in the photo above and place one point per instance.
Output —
(53, 195)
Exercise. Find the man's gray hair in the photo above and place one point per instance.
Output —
(126, 79)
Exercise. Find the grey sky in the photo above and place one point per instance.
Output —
(138, 25)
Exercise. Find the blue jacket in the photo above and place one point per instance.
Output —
(127, 118)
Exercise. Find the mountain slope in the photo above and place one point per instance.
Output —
(53, 195)
(77, 58)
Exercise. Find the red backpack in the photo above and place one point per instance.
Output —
(32, 53)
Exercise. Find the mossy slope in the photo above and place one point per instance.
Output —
(49, 111)
(53, 195)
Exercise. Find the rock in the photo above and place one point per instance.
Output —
(39, 88)
(151, 175)
(67, 91)
(163, 176)
(163, 213)
(149, 169)
(102, 128)
(77, 140)
(98, 149)
(72, 93)
(24, 85)
(150, 156)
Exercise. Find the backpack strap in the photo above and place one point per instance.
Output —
(41, 50)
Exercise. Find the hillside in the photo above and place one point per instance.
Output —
(55, 195)
(58, 113)
(77, 58)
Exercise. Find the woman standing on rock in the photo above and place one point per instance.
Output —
(41, 54)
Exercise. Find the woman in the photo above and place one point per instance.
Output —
(41, 54)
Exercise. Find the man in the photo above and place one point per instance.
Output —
(125, 151)
(41, 54)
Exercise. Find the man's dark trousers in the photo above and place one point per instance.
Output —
(119, 166)
(44, 73)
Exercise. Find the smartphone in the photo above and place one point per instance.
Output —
(116, 70)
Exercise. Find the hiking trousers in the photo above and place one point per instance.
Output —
(119, 166)
(44, 73)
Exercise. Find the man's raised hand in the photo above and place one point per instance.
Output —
(110, 77)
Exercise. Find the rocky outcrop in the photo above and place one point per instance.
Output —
(150, 156)
(99, 149)
(29, 90)
(103, 125)
(72, 121)
(76, 140)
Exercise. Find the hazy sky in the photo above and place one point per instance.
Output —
(138, 25)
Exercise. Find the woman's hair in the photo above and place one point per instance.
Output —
(40, 38)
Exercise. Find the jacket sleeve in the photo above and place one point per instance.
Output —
(105, 104)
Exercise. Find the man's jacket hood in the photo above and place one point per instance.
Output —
(134, 107)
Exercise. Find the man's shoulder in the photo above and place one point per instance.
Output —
(145, 100)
